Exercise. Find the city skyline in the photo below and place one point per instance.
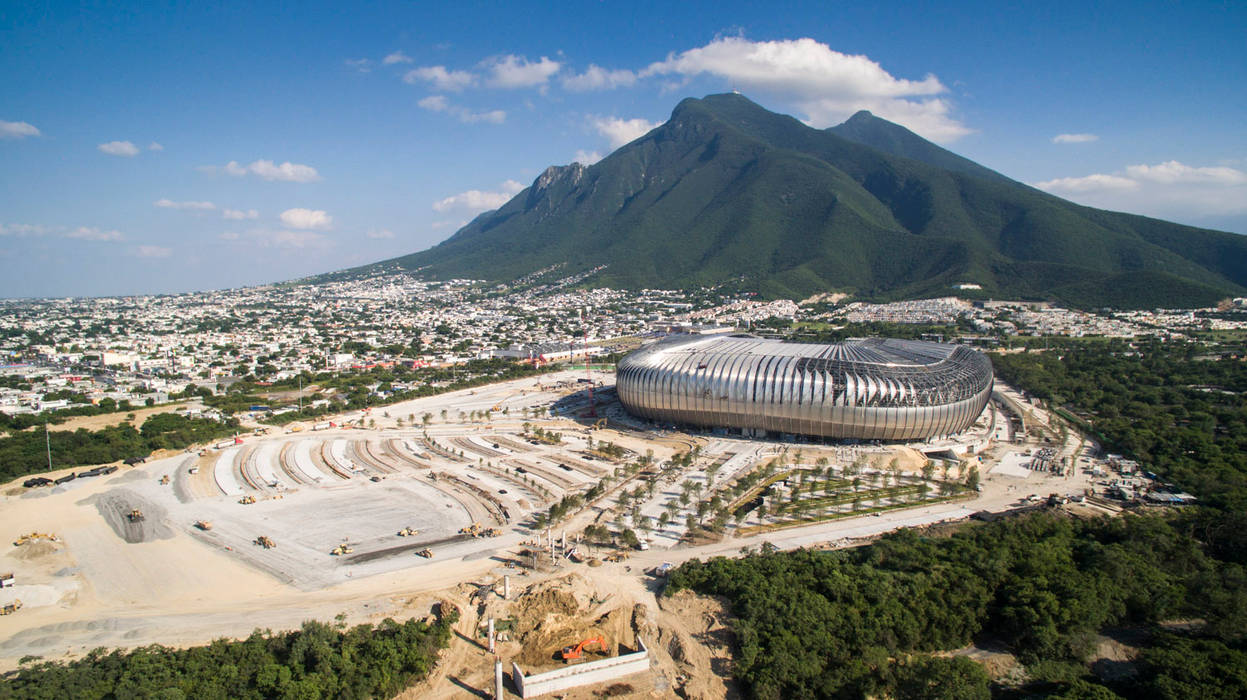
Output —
(201, 149)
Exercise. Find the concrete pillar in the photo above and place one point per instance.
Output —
(565, 540)
(506, 588)
(491, 635)
(497, 678)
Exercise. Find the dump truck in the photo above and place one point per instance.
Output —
(204, 525)
(408, 532)
(135, 516)
(247, 500)
(426, 553)
(6, 580)
(10, 608)
(575, 652)
(265, 542)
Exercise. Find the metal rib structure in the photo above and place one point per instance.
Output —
(872, 389)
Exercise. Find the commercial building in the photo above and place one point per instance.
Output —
(872, 389)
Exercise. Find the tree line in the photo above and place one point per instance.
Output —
(316, 661)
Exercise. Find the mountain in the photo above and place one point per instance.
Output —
(726, 192)
(881, 134)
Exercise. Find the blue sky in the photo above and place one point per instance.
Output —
(206, 146)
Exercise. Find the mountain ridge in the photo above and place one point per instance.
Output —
(726, 192)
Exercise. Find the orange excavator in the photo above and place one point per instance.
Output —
(578, 651)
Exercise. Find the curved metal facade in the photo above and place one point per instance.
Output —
(872, 389)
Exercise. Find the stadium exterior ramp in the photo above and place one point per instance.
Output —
(871, 389)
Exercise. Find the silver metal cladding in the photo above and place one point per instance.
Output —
(871, 389)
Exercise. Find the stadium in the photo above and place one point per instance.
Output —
(871, 389)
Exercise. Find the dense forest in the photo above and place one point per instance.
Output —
(26, 452)
(317, 661)
(1174, 406)
(867, 622)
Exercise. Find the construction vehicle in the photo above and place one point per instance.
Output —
(247, 500)
(408, 532)
(474, 530)
(575, 652)
(265, 542)
(135, 516)
(10, 608)
(341, 549)
(204, 525)
(6, 580)
(35, 536)
(616, 556)
(600, 424)
(426, 553)
(164, 480)
(491, 532)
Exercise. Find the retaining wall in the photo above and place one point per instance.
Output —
(589, 673)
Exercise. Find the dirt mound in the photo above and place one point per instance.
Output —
(693, 631)
(563, 612)
(115, 506)
(35, 550)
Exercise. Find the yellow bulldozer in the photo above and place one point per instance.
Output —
(33, 536)
(10, 608)
(341, 549)
(135, 515)
(204, 525)
(265, 542)
(408, 532)
(426, 553)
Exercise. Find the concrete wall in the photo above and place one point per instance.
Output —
(581, 674)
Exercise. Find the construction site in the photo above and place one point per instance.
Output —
(493, 500)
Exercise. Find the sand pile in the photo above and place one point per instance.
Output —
(559, 613)
(35, 550)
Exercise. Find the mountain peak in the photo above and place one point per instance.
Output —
(878, 133)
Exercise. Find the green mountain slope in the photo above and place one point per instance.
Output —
(728, 192)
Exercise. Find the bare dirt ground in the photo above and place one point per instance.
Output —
(687, 635)
(108, 419)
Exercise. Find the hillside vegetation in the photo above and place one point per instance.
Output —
(727, 192)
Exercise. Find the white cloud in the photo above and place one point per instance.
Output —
(1167, 190)
(286, 172)
(621, 131)
(170, 204)
(267, 169)
(363, 65)
(153, 251)
(587, 157)
(17, 130)
(23, 230)
(1075, 138)
(438, 103)
(239, 214)
(598, 78)
(512, 71)
(479, 200)
(440, 78)
(396, 57)
(826, 85)
(379, 234)
(306, 218)
(93, 233)
(230, 236)
(153, 146)
(434, 103)
(119, 148)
